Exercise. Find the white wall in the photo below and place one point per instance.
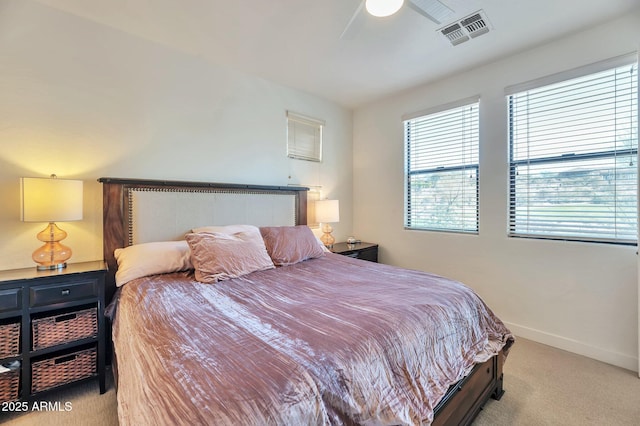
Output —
(83, 101)
(576, 296)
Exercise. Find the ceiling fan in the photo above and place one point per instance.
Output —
(434, 10)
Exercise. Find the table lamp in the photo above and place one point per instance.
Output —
(327, 211)
(51, 200)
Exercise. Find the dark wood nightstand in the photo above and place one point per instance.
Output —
(57, 318)
(364, 251)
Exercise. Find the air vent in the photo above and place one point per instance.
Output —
(475, 25)
(472, 26)
(455, 34)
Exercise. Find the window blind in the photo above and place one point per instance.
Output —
(441, 153)
(573, 158)
(304, 137)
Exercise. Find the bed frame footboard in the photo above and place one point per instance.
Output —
(464, 400)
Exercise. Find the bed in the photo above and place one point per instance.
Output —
(318, 339)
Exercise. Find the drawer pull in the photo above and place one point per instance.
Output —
(64, 359)
(66, 317)
(65, 292)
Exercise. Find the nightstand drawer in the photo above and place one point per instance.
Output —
(59, 293)
(10, 300)
(52, 372)
(370, 254)
(9, 385)
(64, 328)
(9, 340)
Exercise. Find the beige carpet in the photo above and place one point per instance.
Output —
(548, 386)
(88, 408)
(544, 386)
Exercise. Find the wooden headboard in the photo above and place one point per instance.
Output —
(178, 206)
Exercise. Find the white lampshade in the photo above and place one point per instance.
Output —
(382, 8)
(328, 211)
(50, 200)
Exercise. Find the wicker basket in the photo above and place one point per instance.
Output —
(9, 385)
(9, 340)
(64, 328)
(58, 371)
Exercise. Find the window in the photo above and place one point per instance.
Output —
(573, 155)
(304, 137)
(441, 148)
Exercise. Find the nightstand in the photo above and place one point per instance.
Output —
(364, 251)
(52, 328)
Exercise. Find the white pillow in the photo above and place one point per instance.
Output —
(141, 260)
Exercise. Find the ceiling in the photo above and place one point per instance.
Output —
(297, 42)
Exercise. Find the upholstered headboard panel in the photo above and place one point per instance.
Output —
(162, 214)
(138, 211)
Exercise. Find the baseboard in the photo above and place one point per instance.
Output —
(614, 358)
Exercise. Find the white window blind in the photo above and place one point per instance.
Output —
(573, 158)
(304, 137)
(441, 151)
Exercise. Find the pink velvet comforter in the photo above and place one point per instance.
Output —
(332, 340)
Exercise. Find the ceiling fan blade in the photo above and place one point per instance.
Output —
(433, 9)
(354, 24)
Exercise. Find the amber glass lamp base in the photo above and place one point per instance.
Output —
(326, 238)
(52, 255)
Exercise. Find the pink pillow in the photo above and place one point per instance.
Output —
(217, 257)
(291, 244)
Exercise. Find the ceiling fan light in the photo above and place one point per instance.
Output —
(382, 8)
